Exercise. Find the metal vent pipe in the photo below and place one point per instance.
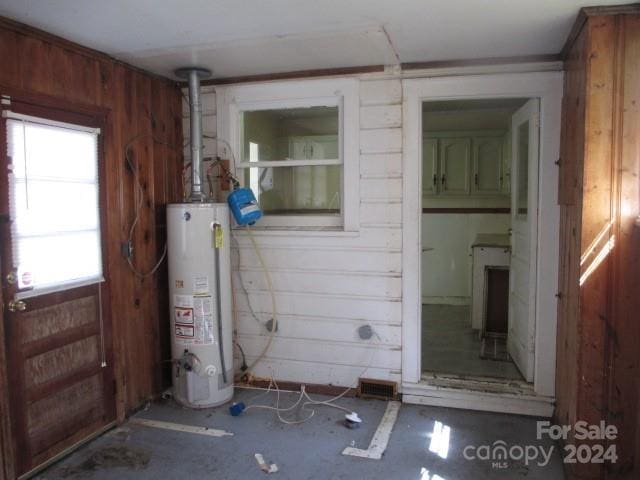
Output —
(193, 75)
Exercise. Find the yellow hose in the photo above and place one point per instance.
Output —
(274, 312)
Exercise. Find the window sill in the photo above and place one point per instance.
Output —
(296, 231)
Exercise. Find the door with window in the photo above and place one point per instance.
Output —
(57, 328)
(524, 217)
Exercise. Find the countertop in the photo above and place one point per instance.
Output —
(500, 240)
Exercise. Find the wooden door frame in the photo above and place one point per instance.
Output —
(547, 86)
(56, 109)
(7, 464)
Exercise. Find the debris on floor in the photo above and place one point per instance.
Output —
(111, 456)
(352, 420)
(264, 466)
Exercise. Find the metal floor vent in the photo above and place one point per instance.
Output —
(381, 389)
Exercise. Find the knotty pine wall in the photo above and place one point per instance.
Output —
(598, 365)
(49, 69)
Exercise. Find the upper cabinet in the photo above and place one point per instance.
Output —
(506, 164)
(455, 159)
(314, 147)
(430, 179)
(465, 164)
(487, 166)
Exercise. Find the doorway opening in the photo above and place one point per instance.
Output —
(479, 192)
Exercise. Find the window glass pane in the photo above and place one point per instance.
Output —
(291, 134)
(53, 260)
(52, 152)
(522, 197)
(54, 204)
(44, 206)
(296, 190)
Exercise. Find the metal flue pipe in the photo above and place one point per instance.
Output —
(193, 75)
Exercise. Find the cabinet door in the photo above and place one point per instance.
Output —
(487, 165)
(429, 166)
(455, 161)
(324, 147)
(505, 179)
(299, 149)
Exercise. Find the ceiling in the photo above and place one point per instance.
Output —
(250, 37)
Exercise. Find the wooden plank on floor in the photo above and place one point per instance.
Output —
(178, 427)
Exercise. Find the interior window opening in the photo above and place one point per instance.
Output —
(292, 161)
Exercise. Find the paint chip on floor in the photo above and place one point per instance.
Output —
(264, 466)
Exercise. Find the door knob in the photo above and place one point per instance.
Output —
(12, 277)
(17, 306)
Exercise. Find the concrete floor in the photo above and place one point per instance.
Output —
(449, 345)
(311, 450)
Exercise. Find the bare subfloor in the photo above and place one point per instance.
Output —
(311, 450)
(449, 345)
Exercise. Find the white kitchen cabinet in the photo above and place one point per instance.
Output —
(430, 178)
(466, 164)
(324, 147)
(487, 165)
(505, 187)
(314, 186)
(455, 163)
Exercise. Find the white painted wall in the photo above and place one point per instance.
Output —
(446, 253)
(329, 283)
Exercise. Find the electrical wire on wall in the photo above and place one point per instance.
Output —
(138, 203)
(274, 309)
(304, 406)
(226, 173)
(304, 401)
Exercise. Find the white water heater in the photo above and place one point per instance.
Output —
(200, 301)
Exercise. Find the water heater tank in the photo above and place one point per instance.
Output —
(200, 303)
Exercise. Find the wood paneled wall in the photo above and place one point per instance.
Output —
(599, 327)
(145, 112)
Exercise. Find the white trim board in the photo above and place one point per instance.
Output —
(344, 92)
(547, 86)
(380, 439)
(178, 427)
(436, 396)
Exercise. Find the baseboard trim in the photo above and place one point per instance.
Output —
(287, 386)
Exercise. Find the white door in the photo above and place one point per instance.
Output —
(525, 133)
